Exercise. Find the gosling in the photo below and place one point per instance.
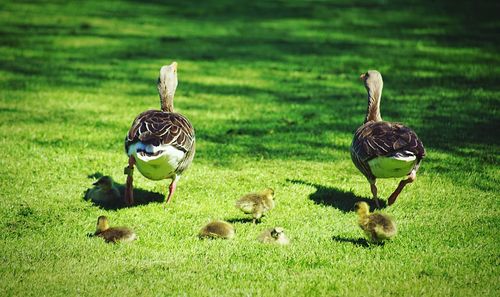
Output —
(256, 203)
(114, 234)
(104, 192)
(378, 227)
(217, 229)
(274, 235)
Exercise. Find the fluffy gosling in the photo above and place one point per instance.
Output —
(274, 235)
(377, 226)
(104, 192)
(256, 203)
(114, 234)
(217, 229)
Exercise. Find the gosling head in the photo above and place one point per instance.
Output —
(167, 82)
(104, 182)
(277, 232)
(362, 208)
(268, 192)
(372, 79)
(102, 224)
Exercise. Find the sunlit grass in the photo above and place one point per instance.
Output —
(273, 92)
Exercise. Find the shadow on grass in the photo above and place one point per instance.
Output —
(355, 241)
(242, 220)
(141, 197)
(344, 201)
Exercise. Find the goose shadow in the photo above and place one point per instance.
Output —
(342, 200)
(141, 197)
(362, 242)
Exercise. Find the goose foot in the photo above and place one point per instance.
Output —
(129, 188)
(400, 187)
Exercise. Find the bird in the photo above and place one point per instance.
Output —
(274, 235)
(161, 143)
(383, 149)
(217, 229)
(377, 226)
(114, 234)
(256, 203)
(104, 192)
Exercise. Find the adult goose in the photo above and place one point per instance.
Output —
(161, 143)
(383, 149)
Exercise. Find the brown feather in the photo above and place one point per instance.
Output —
(377, 139)
(159, 127)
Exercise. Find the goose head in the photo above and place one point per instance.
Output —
(372, 80)
(167, 82)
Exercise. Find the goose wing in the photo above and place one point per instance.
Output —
(376, 139)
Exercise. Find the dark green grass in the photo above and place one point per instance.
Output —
(272, 89)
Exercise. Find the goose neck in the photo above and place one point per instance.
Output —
(373, 111)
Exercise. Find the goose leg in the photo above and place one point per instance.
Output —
(373, 187)
(172, 187)
(129, 188)
(400, 187)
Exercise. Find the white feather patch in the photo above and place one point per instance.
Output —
(159, 166)
(397, 166)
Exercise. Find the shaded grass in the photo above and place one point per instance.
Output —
(272, 90)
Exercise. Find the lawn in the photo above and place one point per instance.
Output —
(272, 90)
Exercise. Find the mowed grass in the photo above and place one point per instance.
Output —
(272, 89)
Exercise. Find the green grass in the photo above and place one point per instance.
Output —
(272, 90)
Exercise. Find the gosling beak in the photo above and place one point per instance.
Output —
(174, 65)
(362, 76)
(95, 183)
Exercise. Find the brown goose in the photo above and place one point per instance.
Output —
(113, 234)
(161, 143)
(384, 149)
(377, 226)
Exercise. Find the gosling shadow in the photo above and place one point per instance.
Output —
(362, 242)
(342, 200)
(242, 220)
(141, 197)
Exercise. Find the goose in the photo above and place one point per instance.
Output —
(377, 226)
(113, 234)
(217, 229)
(256, 203)
(161, 143)
(383, 149)
(274, 235)
(104, 192)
